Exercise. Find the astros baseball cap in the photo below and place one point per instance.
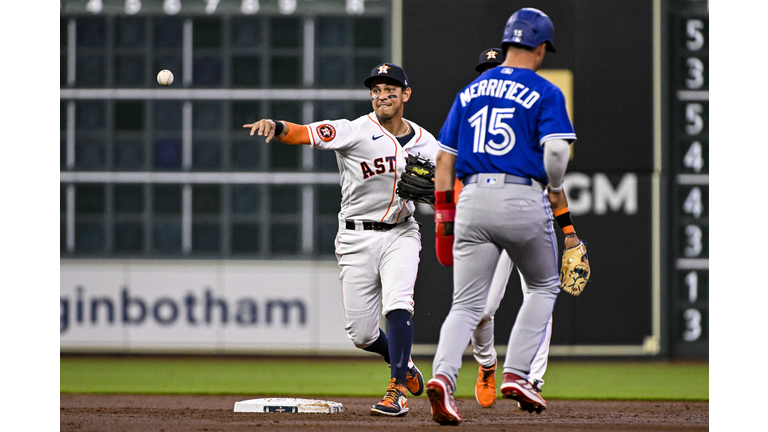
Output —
(529, 27)
(388, 70)
(490, 57)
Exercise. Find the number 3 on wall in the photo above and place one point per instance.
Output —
(692, 325)
(693, 235)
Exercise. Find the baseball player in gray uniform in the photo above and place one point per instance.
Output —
(378, 242)
(482, 338)
(507, 139)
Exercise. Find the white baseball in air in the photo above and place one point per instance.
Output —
(165, 77)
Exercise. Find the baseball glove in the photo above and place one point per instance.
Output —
(574, 273)
(417, 182)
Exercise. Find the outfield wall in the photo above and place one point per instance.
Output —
(202, 306)
(169, 173)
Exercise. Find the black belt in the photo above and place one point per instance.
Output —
(508, 178)
(376, 226)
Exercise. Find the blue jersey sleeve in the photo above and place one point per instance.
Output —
(448, 140)
(553, 117)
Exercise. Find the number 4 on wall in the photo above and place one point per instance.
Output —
(693, 204)
(694, 157)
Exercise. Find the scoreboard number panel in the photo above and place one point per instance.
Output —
(688, 84)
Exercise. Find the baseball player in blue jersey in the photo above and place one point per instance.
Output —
(378, 242)
(506, 138)
(483, 338)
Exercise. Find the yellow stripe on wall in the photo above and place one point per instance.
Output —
(563, 79)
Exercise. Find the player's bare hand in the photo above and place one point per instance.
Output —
(263, 127)
(571, 242)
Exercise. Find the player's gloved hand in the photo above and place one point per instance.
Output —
(417, 181)
(445, 213)
(575, 270)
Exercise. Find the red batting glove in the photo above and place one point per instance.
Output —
(445, 213)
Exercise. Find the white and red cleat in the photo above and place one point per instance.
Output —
(441, 401)
(523, 392)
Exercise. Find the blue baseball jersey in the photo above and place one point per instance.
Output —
(499, 123)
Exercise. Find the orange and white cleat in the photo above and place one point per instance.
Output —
(414, 381)
(394, 404)
(485, 388)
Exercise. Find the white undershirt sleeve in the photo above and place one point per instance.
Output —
(556, 153)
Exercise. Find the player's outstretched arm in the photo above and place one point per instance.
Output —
(286, 132)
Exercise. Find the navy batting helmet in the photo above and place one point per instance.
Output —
(528, 27)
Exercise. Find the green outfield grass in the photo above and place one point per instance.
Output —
(362, 377)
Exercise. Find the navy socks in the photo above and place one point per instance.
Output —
(380, 346)
(396, 349)
(400, 341)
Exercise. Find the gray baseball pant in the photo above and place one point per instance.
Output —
(489, 218)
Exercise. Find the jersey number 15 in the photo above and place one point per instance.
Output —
(495, 127)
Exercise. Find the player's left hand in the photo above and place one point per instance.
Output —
(575, 270)
(417, 183)
(571, 242)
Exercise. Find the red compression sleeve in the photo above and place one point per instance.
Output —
(445, 213)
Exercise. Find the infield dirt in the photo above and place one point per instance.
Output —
(172, 413)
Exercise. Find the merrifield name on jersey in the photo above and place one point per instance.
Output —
(505, 89)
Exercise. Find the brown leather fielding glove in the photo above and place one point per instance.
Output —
(575, 271)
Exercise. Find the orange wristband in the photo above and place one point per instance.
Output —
(297, 134)
(563, 218)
